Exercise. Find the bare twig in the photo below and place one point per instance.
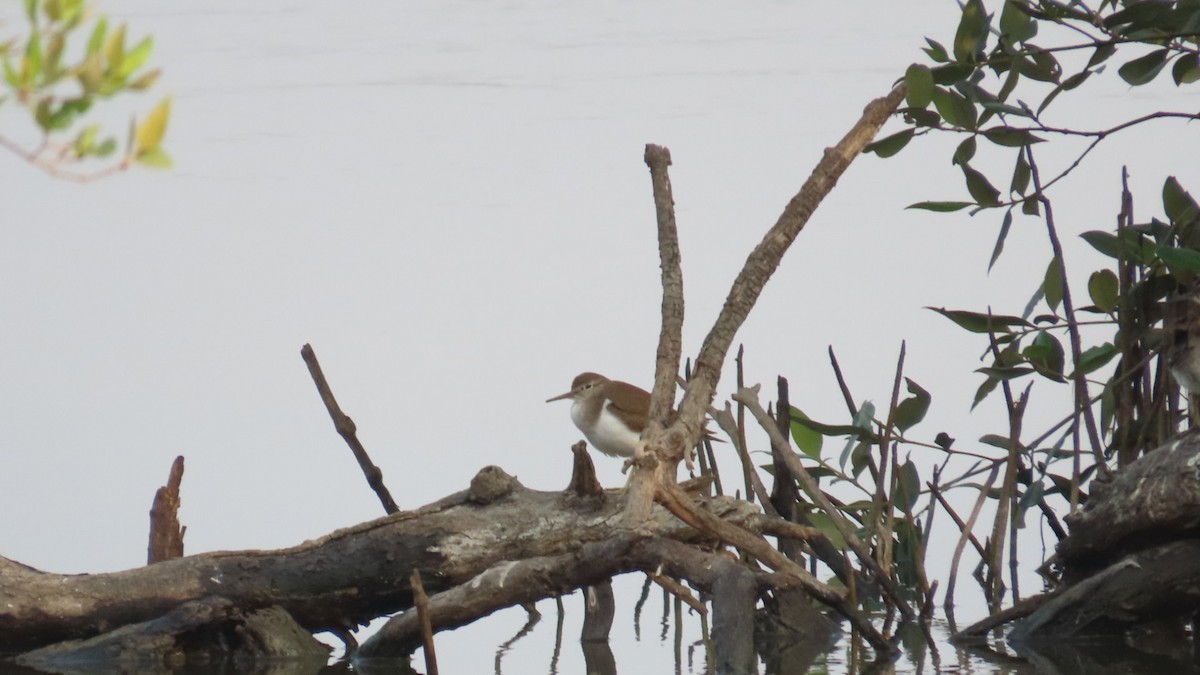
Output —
(670, 346)
(348, 431)
(679, 591)
(967, 535)
(750, 397)
(749, 474)
(422, 603)
(724, 419)
(1079, 378)
(677, 503)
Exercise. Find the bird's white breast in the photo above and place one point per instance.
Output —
(608, 434)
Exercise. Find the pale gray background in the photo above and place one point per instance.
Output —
(448, 200)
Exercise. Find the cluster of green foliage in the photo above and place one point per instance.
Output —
(1113, 351)
(58, 83)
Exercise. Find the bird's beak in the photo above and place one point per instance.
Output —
(560, 397)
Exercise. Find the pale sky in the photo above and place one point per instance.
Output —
(448, 201)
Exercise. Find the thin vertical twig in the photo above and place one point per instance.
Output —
(747, 465)
(1008, 488)
(967, 530)
(421, 601)
(1079, 377)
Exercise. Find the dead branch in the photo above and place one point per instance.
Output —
(347, 430)
(765, 257)
(421, 601)
(166, 535)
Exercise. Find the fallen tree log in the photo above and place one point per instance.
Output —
(477, 536)
(1128, 567)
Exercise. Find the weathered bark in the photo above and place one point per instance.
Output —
(211, 631)
(1130, 559)
(472, 538)
(166, 534)
(1153, 500)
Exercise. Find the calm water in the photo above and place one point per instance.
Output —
(447, 198)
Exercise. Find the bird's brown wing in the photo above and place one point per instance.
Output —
(628, 403)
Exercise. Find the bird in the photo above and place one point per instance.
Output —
(610, 413)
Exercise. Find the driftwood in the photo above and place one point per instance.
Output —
(494, 545)
(1127, 578)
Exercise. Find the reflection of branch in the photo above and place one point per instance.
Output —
(55, 169)
(532, 618)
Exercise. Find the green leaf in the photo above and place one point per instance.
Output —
(10, 74)
(982, 323)
(918, 81)
(145, 81)
(908, 487)
(996, 441)
(821, 521)
(1030, 206)
(1004, 373)
(940, 207)
(1101, 54)
(41, 114)
(999, 247)
(155, 158)
(979, 187)
(1011, 138)
(954, 108)
(150, 132)
(135, 58)
(31, 66)
(952, 73)
(98, 35)
(106, 148)
(1032, 495)
(114, 49)
(936, 51)
(964, 152)
(1054, 284)
(1040, 66)
(862, 420)
(85, 142)
(851, 430)
(1094, 358)
(1104, 242)
(1021, 174)
(911, 410)
(1179, 258)
(1066, 85)
(1186, 69)
(972, 30)
(1144, 68)
(886, 147)
(1178, 204)
(1046, 356)
(860, 458)
(1103, 288)
(51, 71)
(987, 387)
(809, 440)
(1015, 22)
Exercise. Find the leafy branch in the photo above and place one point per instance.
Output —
(58, 94)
